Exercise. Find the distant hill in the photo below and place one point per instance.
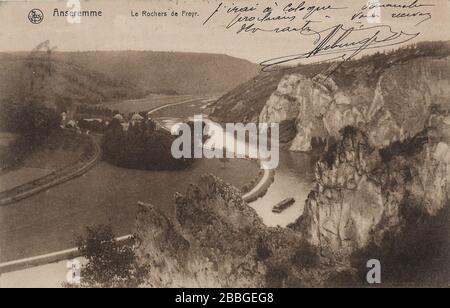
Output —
(57, 83)
(61, 79)
(167, 72)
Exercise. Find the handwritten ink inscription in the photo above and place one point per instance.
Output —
(337, 31)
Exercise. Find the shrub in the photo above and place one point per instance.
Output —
(110, 264)
(306, 256)
(262, 251)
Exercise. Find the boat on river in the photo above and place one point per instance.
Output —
(283, 205)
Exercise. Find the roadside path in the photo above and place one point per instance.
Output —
(55, 178)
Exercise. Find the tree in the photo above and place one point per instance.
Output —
(110, 264)
(28, 118)
(141, 147)
(34, 123)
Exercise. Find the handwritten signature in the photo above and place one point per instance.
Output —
(337, 40)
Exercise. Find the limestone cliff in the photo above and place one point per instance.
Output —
(386, 128)
(398, 105)
(361, 192)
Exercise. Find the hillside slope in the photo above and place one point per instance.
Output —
(172, 72)
(57, 83)
(245, 102)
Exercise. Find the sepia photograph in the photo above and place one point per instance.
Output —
(214, 145)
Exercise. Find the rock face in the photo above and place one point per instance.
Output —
(306, 101)
(205, 247)
(361, 192)
(215, 240)
(391, 126)
(397, 106)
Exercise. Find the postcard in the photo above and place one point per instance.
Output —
(246, 144)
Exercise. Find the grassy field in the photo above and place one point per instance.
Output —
(48, 221)
(53, 159)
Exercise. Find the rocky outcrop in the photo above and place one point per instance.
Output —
(217, 240)
(361, 192)
(303, 99)
(397, 107)
(210, 242)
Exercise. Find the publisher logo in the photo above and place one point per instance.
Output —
(35, 16)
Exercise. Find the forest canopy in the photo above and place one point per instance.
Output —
(142, 146)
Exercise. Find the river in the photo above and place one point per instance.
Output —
(293, 179)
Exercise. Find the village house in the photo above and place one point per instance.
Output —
(136, 118)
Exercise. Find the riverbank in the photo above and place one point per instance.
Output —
(261, 187)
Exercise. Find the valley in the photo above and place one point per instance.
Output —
(364, 155)
(105, 194)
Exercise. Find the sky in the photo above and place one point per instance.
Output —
(117, 29)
